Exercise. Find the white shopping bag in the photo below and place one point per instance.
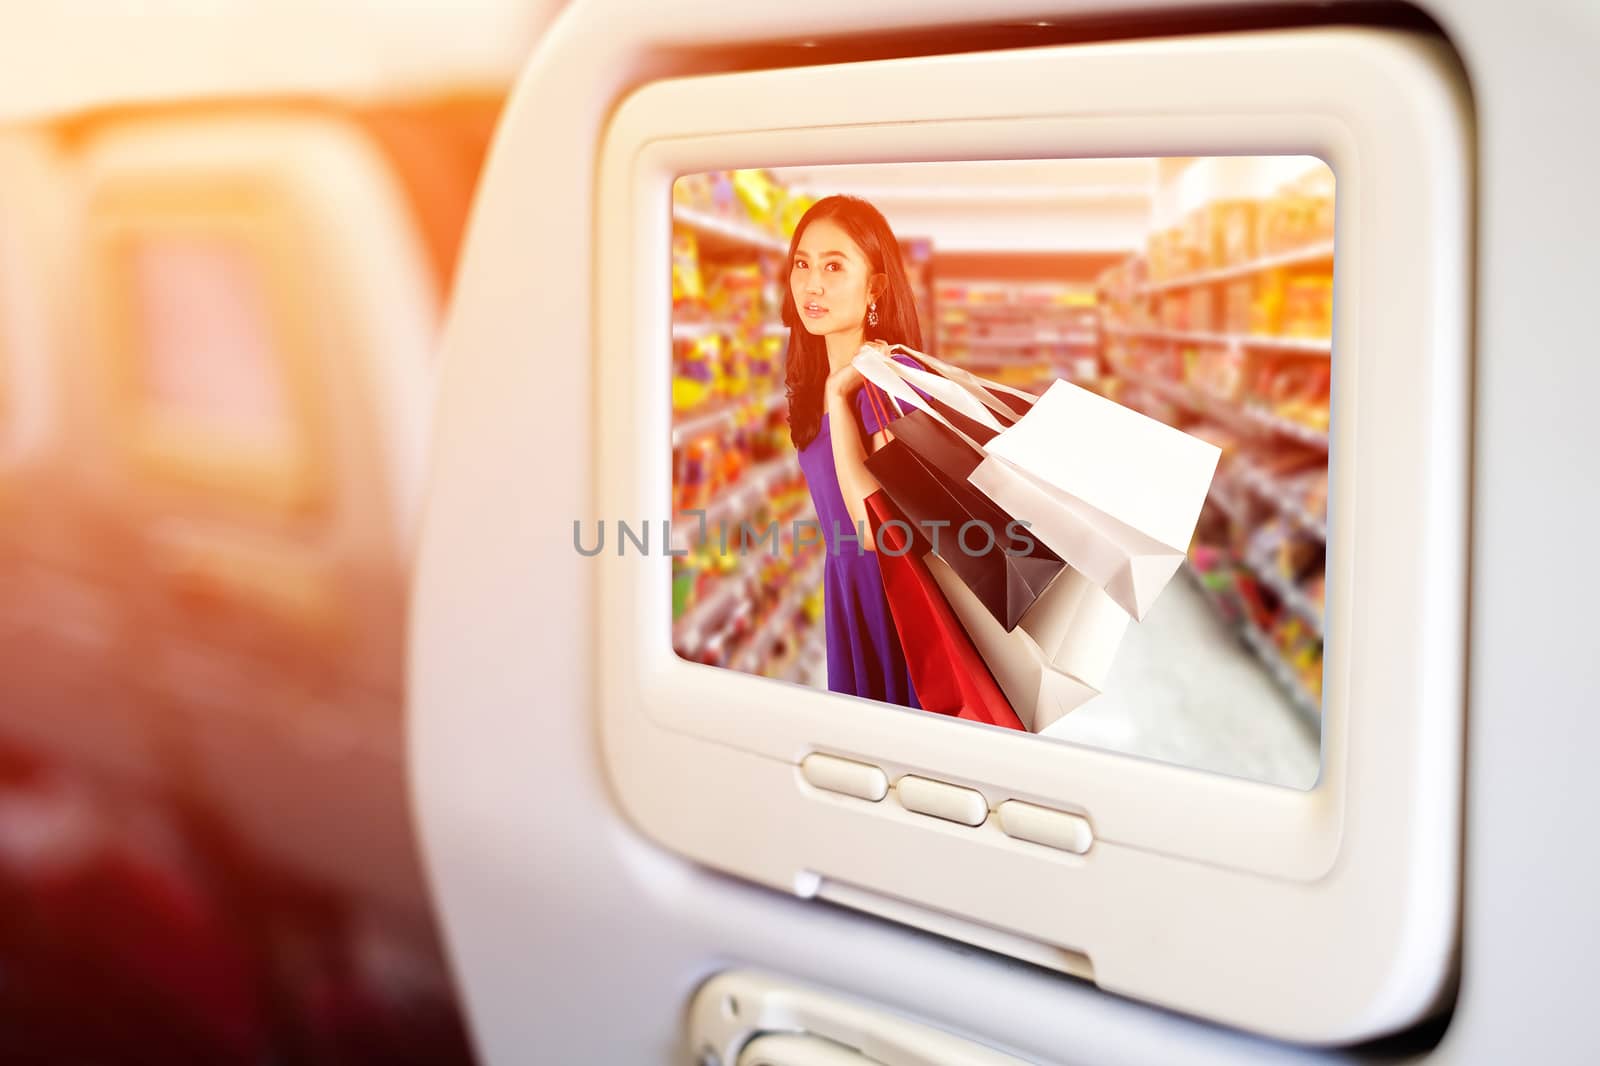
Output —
(1116, 494)
(1059, 655)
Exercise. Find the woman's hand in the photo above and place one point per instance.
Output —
(847, 379)
(843, 383)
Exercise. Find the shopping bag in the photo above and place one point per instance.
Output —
(1060, 654)
(1005, 567)
(946, 671)
(1081, 629)
(1114, 493)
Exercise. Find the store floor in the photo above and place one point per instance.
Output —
(1185, 689)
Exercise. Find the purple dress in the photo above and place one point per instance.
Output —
(864, 654)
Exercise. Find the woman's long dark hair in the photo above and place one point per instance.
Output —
(807, 365)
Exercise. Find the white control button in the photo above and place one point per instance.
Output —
(833, 774)
(950, 802)
(1041, 825)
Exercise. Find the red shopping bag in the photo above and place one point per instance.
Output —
(948, 674)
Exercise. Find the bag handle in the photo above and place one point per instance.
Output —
(953, 395)
(885, 374)
(879, 409)
(982, 388)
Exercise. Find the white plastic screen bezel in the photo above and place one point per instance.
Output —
(1323, 915)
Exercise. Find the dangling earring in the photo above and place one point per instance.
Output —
(872, 314)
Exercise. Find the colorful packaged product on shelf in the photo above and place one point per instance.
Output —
(693, 191)
(1169, 257)
(734, 379)
(734, 295)
(761, 196)
(1251, 597)
(766, 364)
(1218, 370)
(1237, 300)
(1300, 214)
(1297, 389)
(1213, 568)
(1155, 256)
(684, 574)
(1300, 649)
(1308, 306)
(812, 606)
(694, 371)
(793, 210)
(734, 456)
(723, 200)
(1175, 310)
(1202, 309)
(1311, 675)
(1226, 440)
(1314, 191)
(1314, 492)
(1314, 588)
(688, 290)
(697, 471)
(1193, 242)
(1237, 238)
(1266, 308)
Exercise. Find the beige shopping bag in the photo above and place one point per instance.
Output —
(1060, 654)
(1116, 494)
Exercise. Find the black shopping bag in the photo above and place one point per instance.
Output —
(923, 471)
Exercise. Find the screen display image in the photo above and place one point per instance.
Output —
(1041, 445)
(206, 331)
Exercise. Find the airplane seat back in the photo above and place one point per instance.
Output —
(252, 409)
(61, 615)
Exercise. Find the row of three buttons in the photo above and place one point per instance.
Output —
(940, 799)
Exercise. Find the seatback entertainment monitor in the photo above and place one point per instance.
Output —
(1030, 505)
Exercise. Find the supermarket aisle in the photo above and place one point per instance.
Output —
(1186, 690)
(1198, 291)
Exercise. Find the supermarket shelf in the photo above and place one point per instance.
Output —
(810, 664)
(957, 312)
(689, 331)
(1184, 396)
(1305, 345)
(734, 502)
(1273, 491)
(720, 417)
(1229, 506)
(730, 587)
(689, 631)
(1259, 643)
(1287, 591)
(1012, 293)
(1249, 419)
(734, 232)
(693, 331)
(795, 593)
(1285, 427)
(1311, 253)
(1035, 340)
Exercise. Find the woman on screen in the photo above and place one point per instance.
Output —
(847, 287)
